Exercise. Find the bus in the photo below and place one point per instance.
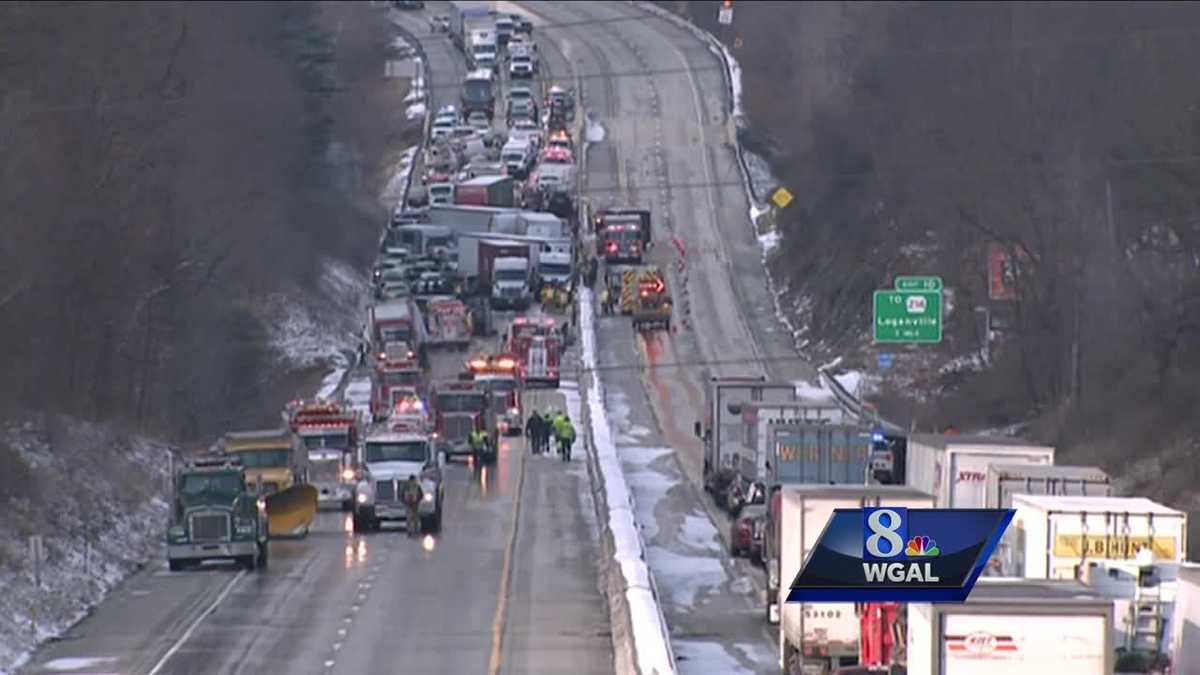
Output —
(478, 93)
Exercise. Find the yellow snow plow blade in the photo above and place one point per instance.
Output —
(291, 511)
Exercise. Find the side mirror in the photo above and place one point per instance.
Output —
(697, 429)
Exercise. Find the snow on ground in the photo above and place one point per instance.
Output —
(109, 512)
(652, 645)
(313, 329)
(769, 242)
(619, 413)
(415, 111)
(594, 131)
(761, 178)
(852, 380)
(393, 192)
(79, 663)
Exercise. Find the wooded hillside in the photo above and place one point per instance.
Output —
(162, 166)
(916, 135)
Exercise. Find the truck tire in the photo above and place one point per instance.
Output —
(176, 565)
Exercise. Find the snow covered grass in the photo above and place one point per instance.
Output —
(309, 330)
(108, 513)
(394, 192)
(652, 645)
(769, 242)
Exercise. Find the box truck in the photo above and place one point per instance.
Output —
(821, 635)
(1013, 627)
(1185, 628)
(1005, 480)
(1055, 536)
(954, 468)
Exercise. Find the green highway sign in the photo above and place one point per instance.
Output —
(918, 283)
(908, 316)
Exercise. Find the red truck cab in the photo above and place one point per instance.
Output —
(394, 374)
(499, 377)
(458, 409)
(534, 342)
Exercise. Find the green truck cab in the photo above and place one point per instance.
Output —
(215, 516)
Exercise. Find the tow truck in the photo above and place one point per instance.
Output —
(652, 307)
(458, 409)
(449, 322)
(497, 375)
(330, 433)
(397, 369)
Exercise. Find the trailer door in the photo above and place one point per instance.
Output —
(991, 644)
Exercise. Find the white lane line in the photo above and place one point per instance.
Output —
(195, 624)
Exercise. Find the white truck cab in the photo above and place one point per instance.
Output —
(555, 267)
(512, 283)
(389, 457)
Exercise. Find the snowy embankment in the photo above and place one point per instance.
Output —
(106, 518)
(652, 652)
(309, 330)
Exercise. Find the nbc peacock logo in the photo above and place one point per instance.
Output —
(921, 546)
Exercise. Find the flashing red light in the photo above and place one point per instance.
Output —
(612, 247)
(506, 364)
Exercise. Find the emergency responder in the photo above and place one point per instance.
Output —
(412, 496)
(478, 442)
(606, 301)
(547, 297)
(564, 433)
(534, 431)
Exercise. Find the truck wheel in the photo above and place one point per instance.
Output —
(175, 565)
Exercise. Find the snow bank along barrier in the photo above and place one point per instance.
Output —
(640, 637)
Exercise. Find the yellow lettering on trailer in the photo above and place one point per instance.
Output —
(1112, 547)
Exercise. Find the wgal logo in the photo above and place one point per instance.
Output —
(885, 538)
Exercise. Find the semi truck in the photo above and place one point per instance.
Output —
(330, 433)
(397, 321)
(466, 17)
(1055, 535)
(954, 468)
(215, 515)
(1012, 626)
(820, 636)
(622, 235)
(458, 409)
(722, 422)
(388, 459)
(494, 191)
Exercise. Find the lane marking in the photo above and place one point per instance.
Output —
(506, 569)
(195, 624)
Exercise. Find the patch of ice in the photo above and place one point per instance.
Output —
(699, 533)
(78, 663)
(703, 658)
(683, 577)
(651, 639)
(594, 131)
(415, 111)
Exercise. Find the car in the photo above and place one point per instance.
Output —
(521, 24)
(529, 127)
(520, 92)
(486, 61)
(464, 131)
(746, 538)
(439, 23)
(522, 107)
(479, 121)
(448, 110)
(517, 158)
(520, 66)
(442, 127)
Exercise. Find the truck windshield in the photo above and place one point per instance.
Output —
(402, 378)
(395, 334)
(259, 459)
(477, 91)
(211, 483)
(452, 403)
(411, 451)
(329, 440)
(556, 269)
(510, 275)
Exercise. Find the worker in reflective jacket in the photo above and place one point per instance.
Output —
(478, 442)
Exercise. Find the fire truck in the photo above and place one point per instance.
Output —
(535, 344)
(330, 434)
(652, 305)
(449, 322)
(459, 408)
(397, 372)
(622, 235)
(497, 374)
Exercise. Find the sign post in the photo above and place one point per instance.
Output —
(908, 317)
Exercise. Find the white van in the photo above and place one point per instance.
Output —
(517, 156)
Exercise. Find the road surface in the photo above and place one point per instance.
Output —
(509, 585)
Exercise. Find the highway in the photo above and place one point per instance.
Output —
(510, 585)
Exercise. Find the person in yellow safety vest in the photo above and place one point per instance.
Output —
(547, 297)
(478, 442)
(564, 433)
(564, 298)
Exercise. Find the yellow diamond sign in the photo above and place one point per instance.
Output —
(782, 197)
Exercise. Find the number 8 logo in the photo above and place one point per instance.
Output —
(886, 533)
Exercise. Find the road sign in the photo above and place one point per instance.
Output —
(918, 283)
(907, 316)
(884, 360)
(725, 16)
(782, 197)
